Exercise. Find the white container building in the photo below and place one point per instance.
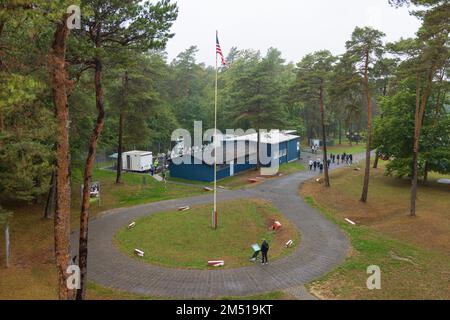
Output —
(136, 160)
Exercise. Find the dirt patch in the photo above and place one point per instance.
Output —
(388, 206)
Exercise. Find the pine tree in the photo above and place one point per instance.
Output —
(136, 25)
(365, 48)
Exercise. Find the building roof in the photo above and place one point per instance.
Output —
(230, 154)
(138, 153)
(271, 137)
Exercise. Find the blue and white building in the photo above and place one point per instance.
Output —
(238, 154)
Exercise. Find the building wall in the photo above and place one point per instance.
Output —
(243, 167)
(197, 172)
(293, 154)
(205, 173)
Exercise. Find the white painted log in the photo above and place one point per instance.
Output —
(350, 221)
(139, 253)
(216, 263)
(289, 243)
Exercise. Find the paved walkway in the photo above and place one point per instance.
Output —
(323, 247)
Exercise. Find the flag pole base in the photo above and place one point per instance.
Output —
(214, 219)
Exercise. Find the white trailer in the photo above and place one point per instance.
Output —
(135, 160)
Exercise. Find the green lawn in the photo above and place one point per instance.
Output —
(412, 253)
(348, 149)
(135, 189)
(422, 275)
(242, 180)
(290, 168)
(32, 274)
(186, 239)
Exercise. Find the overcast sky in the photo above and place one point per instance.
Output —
(295, 27)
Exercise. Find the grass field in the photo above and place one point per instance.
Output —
(347, 148)
(413, 253)
(242, 180)
(32, 274)
(135, 189)
(186, 240)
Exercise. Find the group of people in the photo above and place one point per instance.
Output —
(332, 159)
(314, 148)
(154, 167)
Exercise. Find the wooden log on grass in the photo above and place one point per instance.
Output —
(216, 263)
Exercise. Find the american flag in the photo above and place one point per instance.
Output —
(219, 51)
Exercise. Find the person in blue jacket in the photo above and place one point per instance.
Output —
(264, 251)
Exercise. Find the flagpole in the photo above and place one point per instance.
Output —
(215, 149)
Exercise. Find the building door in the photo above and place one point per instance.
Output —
(128, 162)
(232, 168)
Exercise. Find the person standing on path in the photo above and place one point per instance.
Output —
(321, 167)
(310, 165)
(264, 250)
(338, 157)
(315, 165)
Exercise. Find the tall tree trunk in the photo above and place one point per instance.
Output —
(121, 121)
(7, 245)
(340, 132)
(377, 157)
(414, 182)
(119, 150)
(421, 103)
(50, 204)
(365, 189)
(258, 138)
(59, 82)
(377, 154)
(2, 67)
(87, 177)
(425, 171)
(324, 136)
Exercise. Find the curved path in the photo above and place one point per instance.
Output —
(323, 247)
